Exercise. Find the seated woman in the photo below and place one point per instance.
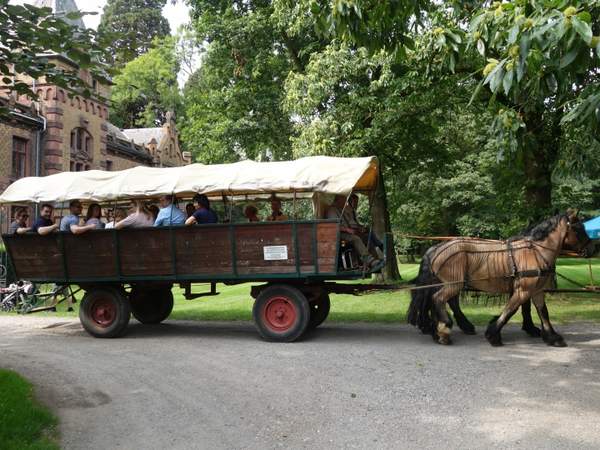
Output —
(94, 215)
(141, 217)
(203, 213)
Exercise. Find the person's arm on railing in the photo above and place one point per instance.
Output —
(78, 229)
(47, 230)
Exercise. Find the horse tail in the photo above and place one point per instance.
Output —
(420, 310)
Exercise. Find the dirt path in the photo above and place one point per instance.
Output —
(192, 385)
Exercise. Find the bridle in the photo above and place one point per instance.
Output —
(577, 233)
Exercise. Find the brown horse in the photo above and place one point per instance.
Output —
(520, 267)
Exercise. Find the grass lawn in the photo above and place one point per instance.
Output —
(235, 303)
(24, 424)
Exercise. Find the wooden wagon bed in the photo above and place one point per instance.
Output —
(216, 252)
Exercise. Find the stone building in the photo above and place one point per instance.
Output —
(59, 132)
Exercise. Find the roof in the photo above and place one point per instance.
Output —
(143, 136)
(116, 131)
(316, 174)
(61, 8)
(117, 142)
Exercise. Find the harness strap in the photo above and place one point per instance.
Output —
(511, 259)
(533, 273)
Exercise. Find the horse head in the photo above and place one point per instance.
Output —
(576, 238)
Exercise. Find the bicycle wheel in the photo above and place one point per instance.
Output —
(45, 297)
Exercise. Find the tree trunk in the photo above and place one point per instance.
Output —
(381, 226)
(541, 153)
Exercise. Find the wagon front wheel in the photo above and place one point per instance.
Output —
(104, 312)
(281, 313)
(151, 306)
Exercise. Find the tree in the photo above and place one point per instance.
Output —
(128, 28)
(233, 102)
(538, 62)
(26, 32)
(146, 89)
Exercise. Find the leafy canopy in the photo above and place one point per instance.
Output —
(146, 89)
(128, 28)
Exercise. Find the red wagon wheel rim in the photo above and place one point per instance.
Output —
(279, 313)
(104, 312)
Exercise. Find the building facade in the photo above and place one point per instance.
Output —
(60, 131)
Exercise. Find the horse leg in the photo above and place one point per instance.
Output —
(492, 333)
(442, 322)
(549, 336)
(528, 326)
(461, 320)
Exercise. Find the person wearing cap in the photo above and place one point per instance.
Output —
(70, 222)
(203, 213)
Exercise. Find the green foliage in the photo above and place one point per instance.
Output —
(462, 152)
(146, 89)
(26, 32)
(233, 102)
(373, 24)
(129, 27)
(24, 424)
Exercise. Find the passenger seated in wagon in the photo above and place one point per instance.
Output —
(19, 225)
(119, 215)
(70, 223)
(251, 213)
(141, 217)
(276, 214)
(94, 216)
(203, 213)
(44, 225)
(169, 214)
(368, 236)
(347, 233)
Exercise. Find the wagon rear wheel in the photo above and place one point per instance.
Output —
(151, 305)
(104, 312)
(319, 310)
(281, 313)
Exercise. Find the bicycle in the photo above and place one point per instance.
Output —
(25, 297)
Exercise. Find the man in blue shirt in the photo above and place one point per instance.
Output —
(70, 222)
(44, 225)
(203, 213)
(169, 214)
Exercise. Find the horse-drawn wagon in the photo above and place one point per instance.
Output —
(133, 270)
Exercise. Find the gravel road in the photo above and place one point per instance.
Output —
(194, 385)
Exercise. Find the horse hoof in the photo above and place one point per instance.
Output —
(532, 331)
(494, 339)
(470, 331)
(444, 340)
(558, 343)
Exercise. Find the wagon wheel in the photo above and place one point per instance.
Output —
(104, 312)
(319, 310)
(151, 305)
(281, 313)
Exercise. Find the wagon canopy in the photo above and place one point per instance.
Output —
(317, 174)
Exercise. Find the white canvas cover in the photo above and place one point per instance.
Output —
(320, 174)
